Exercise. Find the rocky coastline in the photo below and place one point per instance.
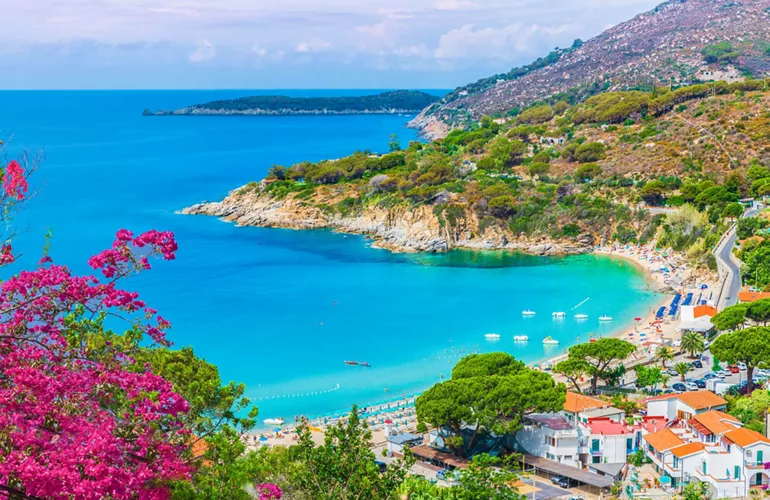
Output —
(399, 228)
(195, 111)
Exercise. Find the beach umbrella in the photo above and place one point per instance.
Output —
(704, 286)
(277, 429)
(637, 319)
(665, 480)
(389, 422)
(263, 439)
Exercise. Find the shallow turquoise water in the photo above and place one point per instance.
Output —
(277, 309)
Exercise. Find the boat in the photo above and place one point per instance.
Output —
(528, 312)
(492, 335)
(549, 341)
(581, 316)
(558, 314)
(273, 421)
(605, 318)
(364, 363)
(520, 338)
(352, 363)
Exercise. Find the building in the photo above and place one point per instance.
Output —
(397, 442)
(697, 318)
(747, 295)
(684, 406)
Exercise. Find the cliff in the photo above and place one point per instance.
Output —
(400, 228)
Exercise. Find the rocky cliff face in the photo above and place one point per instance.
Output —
(400, 229)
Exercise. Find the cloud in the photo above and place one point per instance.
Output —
(205, 52)
(504, 43)
(378, 30)
(315, 45)
(454, 5)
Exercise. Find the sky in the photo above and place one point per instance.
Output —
(273, 44)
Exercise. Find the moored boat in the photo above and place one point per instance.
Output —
(605, 318)
(520, 338)
(549, 341)
(273, 421)
(364, 363)
(352, 363)
(492, 335)
(581, 316)
(528, 312)
(558, 314)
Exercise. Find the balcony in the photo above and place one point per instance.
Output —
(754, 465)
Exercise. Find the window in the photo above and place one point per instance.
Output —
(760, 457)
(547, 439)
(596, 460)
(594, 445)
(736, 472)
(676, 462)
(704, 468)
(630, 443)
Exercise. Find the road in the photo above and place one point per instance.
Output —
(728, 268)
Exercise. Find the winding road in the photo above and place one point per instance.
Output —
(729, 271)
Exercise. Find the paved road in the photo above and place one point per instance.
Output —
(728, 268)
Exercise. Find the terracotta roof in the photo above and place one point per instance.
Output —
(697, 400)
(745, 437)
(704, 310)
(687, 449)
(747, 296)
(576, 403)
(713, 422)
(663, 440)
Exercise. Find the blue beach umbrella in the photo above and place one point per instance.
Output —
(277, 429)
(665, 480)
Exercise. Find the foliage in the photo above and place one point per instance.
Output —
(759, 311)
(722, 52)
(344, 466)
(693, 343)
(750, 346)
(648, 376)
(696, 490)
(490, 392)
(574, 369)
(730, 318)
(601, 356)
(664, 354)
(682, 368)
(755, 256)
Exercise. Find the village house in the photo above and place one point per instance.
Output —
(684, 406)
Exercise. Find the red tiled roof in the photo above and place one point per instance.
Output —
(697, 400)
(714, 422)
(663, 440)
(576, 403)
(607, 427)
(745, 437)
(687, 449)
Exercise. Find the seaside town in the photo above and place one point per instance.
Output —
(673, 425)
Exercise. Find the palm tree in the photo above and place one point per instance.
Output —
(682, 369)
(693, 343)
(664, 354)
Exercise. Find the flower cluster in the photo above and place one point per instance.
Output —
(14, 181)
(77, 420)
(268, 491)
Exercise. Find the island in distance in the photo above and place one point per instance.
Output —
(394, 102)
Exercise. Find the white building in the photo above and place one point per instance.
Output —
(684, 406)
(711, 447)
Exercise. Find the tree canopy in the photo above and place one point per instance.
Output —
(601, 356)
(750, 346)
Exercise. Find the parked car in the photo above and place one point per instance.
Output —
(564, 482)
(734, 369)
(556, 479)
(706, 345)
(700, 383)
(742, 366)
(697, 364)
(672, 372)
(691, 386)
(679, 387)
(709, 376)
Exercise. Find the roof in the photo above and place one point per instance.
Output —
(579, 475)
(663, 440)
(697, 400)
(424, 451)
(705, 310)
(748, 296)
(602, 412)
(577, 403)
(607, 427)
(404, 438)
(612, 470)
(688, 449)
(552, 421)
(714, 422)
(745, 437)
(653, 424)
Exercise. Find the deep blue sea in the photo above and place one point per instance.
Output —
(277, 309)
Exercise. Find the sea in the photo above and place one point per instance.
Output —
(281, 310)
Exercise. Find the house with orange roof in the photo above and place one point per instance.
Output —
(684, 406)
(697, 318)
(747, 295)
(711, 447)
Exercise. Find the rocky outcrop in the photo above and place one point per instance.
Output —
(399, 228)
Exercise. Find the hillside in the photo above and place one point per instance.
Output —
(678, 43)
(630, 167)
(399, 101)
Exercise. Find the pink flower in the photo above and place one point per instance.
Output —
(14, 182)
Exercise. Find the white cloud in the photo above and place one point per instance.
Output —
(454, 5)
(504, 43)
(315, 45)
(205, 52)
(378, 30)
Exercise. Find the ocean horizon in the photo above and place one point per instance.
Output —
(276, 309)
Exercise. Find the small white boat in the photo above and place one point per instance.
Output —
(520, 338)
(273, 421)
(549, 341)
(528, 312)
(558, 314)
(492, 336)
(581, 316)
(605, 318)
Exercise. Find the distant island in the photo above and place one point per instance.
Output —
(395, 102)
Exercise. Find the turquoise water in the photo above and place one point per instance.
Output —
(277, 309)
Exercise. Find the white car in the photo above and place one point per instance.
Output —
(691, 386)
(742, 366)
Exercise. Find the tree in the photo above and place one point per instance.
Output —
(759, 311)
(587, 172)
(489, 393)
(481, 480)
(664, 355)
(648, 376)
(730, 318)
(696, 490)
(590, 152)
(750, 346)
(682, 368)
(343, 467)
(733, 211)
(601, 355)
(573, 369)
(277, 171)
(538, 168)
(693, 343)
(394, 145)
(652, 192)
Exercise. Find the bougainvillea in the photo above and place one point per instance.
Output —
(15, 182)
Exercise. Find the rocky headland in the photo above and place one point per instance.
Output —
(399, 228)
